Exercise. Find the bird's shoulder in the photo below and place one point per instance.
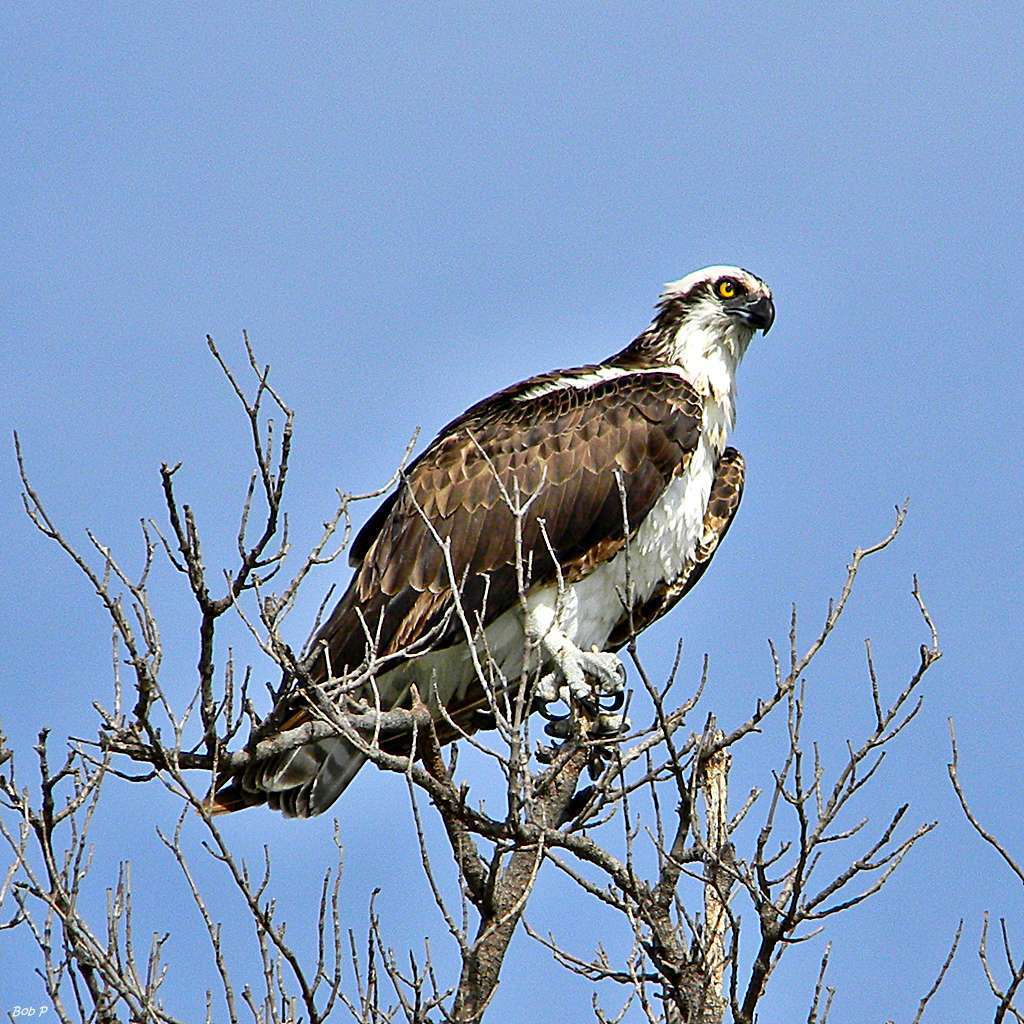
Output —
(548, 395)
(596, 406)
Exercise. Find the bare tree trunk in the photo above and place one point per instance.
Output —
(499, 915)
(715, 784)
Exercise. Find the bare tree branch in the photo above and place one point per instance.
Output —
(707, 909)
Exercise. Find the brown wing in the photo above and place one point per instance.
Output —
(726, 492)
(562, 450)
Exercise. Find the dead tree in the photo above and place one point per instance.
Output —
(1005, 993)
(708, 926)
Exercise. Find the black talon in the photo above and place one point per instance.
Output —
(541, 707)
(618, 699)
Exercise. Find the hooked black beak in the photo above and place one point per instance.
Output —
(757, 313)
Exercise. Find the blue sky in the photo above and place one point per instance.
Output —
(409, 206)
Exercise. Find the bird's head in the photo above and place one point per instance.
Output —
(721, 298)
(705, 321)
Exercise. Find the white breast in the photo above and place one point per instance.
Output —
(662, 545)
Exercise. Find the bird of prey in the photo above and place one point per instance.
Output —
(621, 461)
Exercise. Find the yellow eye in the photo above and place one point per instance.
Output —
(726, 288)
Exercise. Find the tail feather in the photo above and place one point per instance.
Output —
(300, 783)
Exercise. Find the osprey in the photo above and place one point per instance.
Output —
(622, 461)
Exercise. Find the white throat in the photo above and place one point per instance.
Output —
(708, 348)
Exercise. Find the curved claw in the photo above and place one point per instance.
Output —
(542, 708)
(617, 701)
(593, 681)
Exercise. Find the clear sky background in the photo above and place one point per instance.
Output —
(409, 206)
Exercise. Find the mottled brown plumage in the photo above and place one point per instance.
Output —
(563, 449)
